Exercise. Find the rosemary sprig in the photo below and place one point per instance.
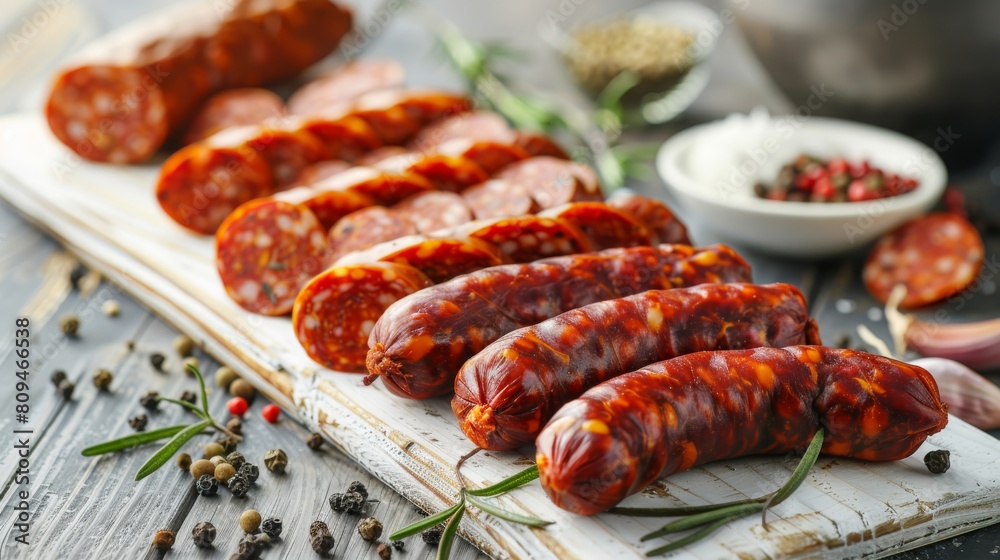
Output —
(507, 484)
(179, 435)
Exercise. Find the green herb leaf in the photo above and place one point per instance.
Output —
(798, 476)
(185, 404)
(276, 266)
(507, 515)
(204, 392)
(700, 519)
(448, 536)
(692, 538)
(427, 522)
(131, 440)
(681, 511)
(610, 97)
(506, 485)
(269, 292)
(167, 451)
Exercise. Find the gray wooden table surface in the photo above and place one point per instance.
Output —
(91, 508)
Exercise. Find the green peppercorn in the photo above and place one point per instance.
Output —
(138, 423)
(314, 441)
(156, 360)
(225, 376)
(69, 324)
(191, 362)
(370, 529)
(212, 449)
(163, 540)
(250, 520)
(183, 345)
(240, 388)
(202, 467)
(223, 472)
(203, 534)
(938, 461)
(102, 379)
(66, 388)
(184, 461)
(276, 461)
(111, 308)
(217, 460)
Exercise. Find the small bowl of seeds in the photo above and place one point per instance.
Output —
(663, 46)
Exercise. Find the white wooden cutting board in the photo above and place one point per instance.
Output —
(846, 509)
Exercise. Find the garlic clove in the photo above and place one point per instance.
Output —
(969, 396)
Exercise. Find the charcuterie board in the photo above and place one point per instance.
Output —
(846, 509)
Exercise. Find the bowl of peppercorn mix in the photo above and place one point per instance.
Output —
(803, 187)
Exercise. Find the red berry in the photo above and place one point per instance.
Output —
(824, 187)
(858, 191)
(237, 406)
(838, 165)
(271, 412)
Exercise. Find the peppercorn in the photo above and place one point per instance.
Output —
(432, 536)
(163, 540)
(58, 376)
(202, 467)
(250, 520)
(354, 502)
(184, 461)
(217, 460)
(398, 545)
(228, 444)
(237, 406)
(206, 485)
(156, 359)
(212, 449)
(191, 362)
(250, 471)
(150, 400)
(66, 388)
(270, 413)
(271, 527)
(203, 534)
(370, 529)
(337, 502)
(248, 549)
(138, 423)
(320, 538)
(262, 539)
(241, 388)
(314, 441)
(129, 345)
(69, 324)
(183, 345)
(77, 274)
(235, 425)
(223, 472)
(938, 461)
(276, 461)
(102, 379)
(189, 397)
(236, 459)
(111, 308)
(224, 377)
(359, 487)
(383, 551)
(239, 485)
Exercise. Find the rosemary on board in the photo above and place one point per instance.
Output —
(179, 435)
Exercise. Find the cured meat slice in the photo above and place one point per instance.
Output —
(661, 222)
(528, 238)
(440, 258)
(318, 171)
(234, 107)
(367, 228)
(346, 137)
(604, 226)
(479, 125)
(446, 173)
(492, 156)
(434, 210)
(344, 84)
(498, 198)
(383, 188)
(538, 144)
(328, 206)
(552, 182)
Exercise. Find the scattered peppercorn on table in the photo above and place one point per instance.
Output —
(297, 491)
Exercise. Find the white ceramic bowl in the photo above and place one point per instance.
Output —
(711, 169)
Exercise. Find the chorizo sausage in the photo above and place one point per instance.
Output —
(434, 210)
(492, 156)
(367, 228)
(396, 116)
(319, 171)
(421, 341)
(127, 93)
(346, 137)
(604, 226)
(383, 188)
(620, 436)
(346, 83)
(266, 251)
(529, 238)
(479, 125)
(329, 206)
(287, 151)
(335, 312)
(507, 392)
(235, 107)
(661, 222)
(446, 173)
(934, 256)
(439, 258)
(537, 144)
(553, 182)
(498, 198)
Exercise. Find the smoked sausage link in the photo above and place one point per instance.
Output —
(507, 392)
(421, 341)
(126, 94)
(625, 433)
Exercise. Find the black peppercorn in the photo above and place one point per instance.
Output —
(235, 425)
(66, 388)
(248, 549)
(239, 485)
(250, 471)
(236, 459)
(354, 502)
(359, 487)
(189, 397)
(58, 376)
(938, 461)
(150, 400)
(102, 379)
(206, 485)
(203, 534)
(228, 444)
(337, 502)
(271, 527)
(70, 324)
(138, 423)
(320, 537)
(77, 274)
(314, 441)
(398, 545)
(156, 359)
(432, 536)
